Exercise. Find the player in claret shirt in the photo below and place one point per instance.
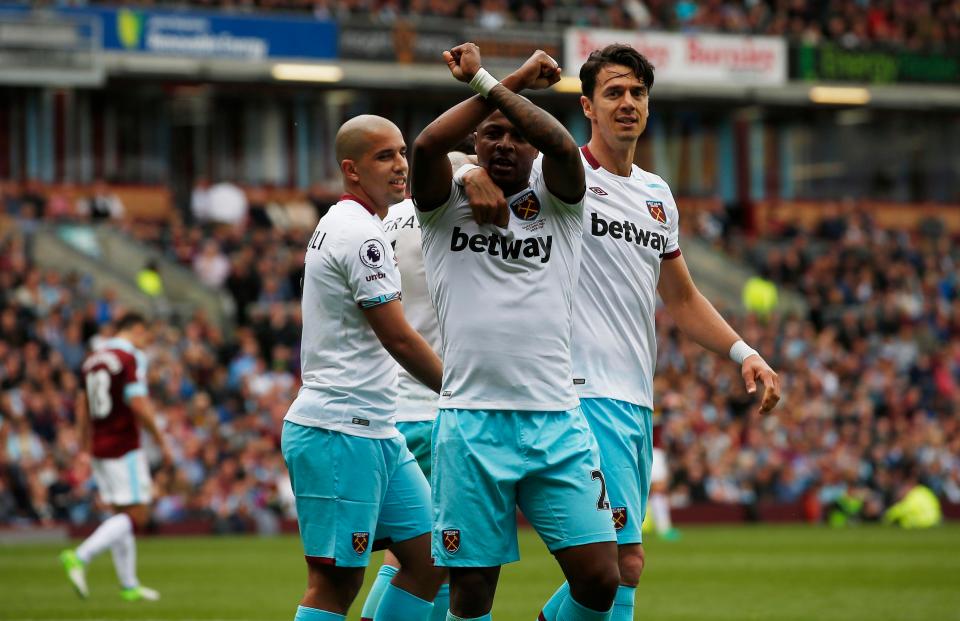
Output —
(110, 413)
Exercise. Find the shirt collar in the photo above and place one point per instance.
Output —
(351, 197)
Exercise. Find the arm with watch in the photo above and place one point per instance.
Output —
(697, 318)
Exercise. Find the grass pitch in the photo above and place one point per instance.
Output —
(726, 574)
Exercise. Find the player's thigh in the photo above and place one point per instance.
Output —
(564, 492)
(125, 480)
(419, 435)
(406, 511)
(339, 482)
(623, 435)
(476, 466)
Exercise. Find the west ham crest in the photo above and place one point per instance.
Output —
(526, 206)
(451, 540)
(619, 517)
(657, 212)
(360, 542)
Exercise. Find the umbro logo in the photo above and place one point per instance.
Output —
(598, 190)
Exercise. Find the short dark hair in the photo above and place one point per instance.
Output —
(614, 54)
(129, 320)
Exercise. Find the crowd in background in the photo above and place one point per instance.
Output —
(916, 24)
(871, 374)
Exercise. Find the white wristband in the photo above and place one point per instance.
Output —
(462, 171)
(740, 351)
(482, 83)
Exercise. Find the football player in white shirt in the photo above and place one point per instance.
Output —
(416, 404)
(631, 252)
(354, 479)
(509, 432)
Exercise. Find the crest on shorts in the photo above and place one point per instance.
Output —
(619, 517)
(451, 540)
(526, 206)
(360, 542)
(657, 212)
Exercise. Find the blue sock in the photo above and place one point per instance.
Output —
(441, 604)
(384, 576)
(623, 604)
(570, 610)
(552, 608)
(398, 605)
(453, 617)
(305, 613)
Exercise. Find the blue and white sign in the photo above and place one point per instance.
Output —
(202, 34)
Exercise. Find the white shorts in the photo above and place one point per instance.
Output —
(125, 480)
(659, 473)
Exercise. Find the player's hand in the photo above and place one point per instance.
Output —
(538, 72)
(486, 198)
(463, 61)
(755, 369)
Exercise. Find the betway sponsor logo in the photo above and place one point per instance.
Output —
(627, 231)
(504, 247)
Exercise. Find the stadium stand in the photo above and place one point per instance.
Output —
(909, 23)
(872, 374)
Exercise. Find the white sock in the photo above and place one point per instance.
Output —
(125, 561)
(661, 512)
(108, 533)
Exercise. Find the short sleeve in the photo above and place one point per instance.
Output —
(368, 264)
(672, 249)
(434, 217)
(539, 185)
(135, 376)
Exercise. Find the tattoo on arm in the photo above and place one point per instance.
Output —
(539, 127)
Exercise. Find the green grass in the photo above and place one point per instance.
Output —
(736, 574)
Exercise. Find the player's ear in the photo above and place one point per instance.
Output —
(349, 170)
(587, 106)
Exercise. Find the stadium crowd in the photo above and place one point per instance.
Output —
(871, 376)
(916, 24)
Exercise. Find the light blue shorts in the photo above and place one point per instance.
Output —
(353, 494)
(488, 463)
(418, 436)
(624, 432)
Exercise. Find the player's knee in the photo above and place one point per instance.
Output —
(596, 584)
(471, 594)
(632, 560)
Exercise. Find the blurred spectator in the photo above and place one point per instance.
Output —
(149, 280)
(200, 200)
(211, 266)
(227, 204)
(103, 204)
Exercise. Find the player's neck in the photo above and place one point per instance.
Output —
(616, 158)
(356, 194)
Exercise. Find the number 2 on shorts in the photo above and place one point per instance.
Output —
(602, 503)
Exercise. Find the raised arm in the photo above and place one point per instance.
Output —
(432, 172)
(562, 166)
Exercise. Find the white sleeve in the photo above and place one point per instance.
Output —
(433, 218)
(672, 250)
(539, 185)
(367, 262)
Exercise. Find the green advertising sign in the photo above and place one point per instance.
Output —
(834, 63)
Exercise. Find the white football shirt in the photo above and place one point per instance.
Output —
(349, 379)
(415, 402)
(630, 225)
(504, 297)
